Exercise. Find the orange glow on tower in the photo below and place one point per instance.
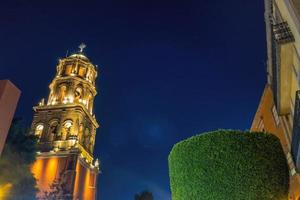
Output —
(45, 171)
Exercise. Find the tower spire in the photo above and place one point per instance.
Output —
(81, 47)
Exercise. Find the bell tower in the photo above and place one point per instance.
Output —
(66, 127)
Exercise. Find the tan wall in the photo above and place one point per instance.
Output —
(296, 4)
(264, 120)
(264, 114)
(9, 96)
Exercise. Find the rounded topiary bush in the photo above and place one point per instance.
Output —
(229, 165)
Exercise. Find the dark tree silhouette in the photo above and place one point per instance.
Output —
(19, 152)
(145, 195)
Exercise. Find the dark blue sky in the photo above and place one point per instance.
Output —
(168, 70)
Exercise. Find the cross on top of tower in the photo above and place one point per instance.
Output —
(81, 47)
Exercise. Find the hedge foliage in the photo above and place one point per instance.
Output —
(229, 165)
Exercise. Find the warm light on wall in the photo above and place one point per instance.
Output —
(68, 124)
(39, 130)
(53, 102)
(82, 187)
(87, 191)
(65, 100)
(42, 102)
(5, 190)
(71, 99)
(45, 171)
(97, 164)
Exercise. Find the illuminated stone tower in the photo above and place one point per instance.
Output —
(66, 128)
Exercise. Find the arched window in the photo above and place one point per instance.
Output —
(78, 94)
(39, 130)
(82, 71)
(52, 131)
(68, 123)
(74, 69)
(66, 129)
(68, 70)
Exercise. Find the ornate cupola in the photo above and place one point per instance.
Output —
(74, 82)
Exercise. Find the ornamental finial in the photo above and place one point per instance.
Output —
(81, 47)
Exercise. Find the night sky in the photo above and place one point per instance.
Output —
(168, 70)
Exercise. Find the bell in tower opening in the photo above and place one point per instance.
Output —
(66, 128)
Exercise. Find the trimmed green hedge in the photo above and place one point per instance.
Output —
(229, 165)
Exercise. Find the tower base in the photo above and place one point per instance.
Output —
(66, 175)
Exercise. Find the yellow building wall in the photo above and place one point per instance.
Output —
(287, 11)
(295, 68)
(264, 120)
